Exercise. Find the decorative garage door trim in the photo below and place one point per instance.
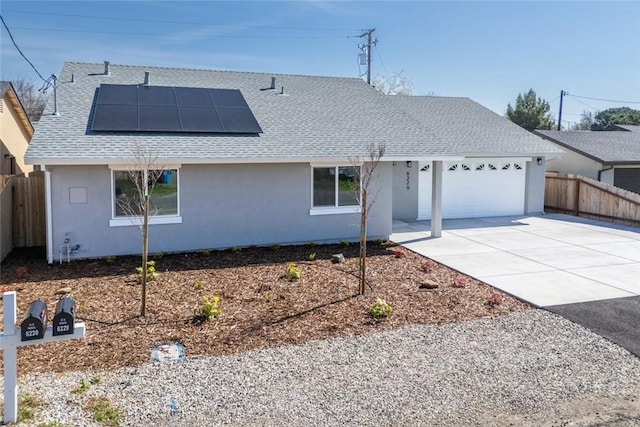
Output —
(475, 188)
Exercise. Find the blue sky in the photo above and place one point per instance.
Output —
(487, 51)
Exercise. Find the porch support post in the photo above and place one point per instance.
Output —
(436, 198)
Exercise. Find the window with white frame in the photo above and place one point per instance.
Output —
(333, 187)
(129, 187)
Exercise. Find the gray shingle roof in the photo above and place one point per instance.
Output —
(473, 129)
(608, 147)
(317, 117)
(630, 128)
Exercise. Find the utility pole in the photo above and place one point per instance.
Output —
(562, 94)
(370, 41)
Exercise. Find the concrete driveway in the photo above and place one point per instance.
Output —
(584, 270)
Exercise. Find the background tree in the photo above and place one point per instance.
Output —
(530, 112)
(361, 185)
(603, 120)
(33, 101)
(144, 174)
(585, 121)
(395, 84)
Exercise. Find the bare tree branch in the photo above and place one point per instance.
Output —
(364, 176)
(143, 174)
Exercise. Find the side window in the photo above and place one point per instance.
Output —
(334, 186)
(129, 188)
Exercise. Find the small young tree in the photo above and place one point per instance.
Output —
(394, 84)
(143, 175)
(361, 185)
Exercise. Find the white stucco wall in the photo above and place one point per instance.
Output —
(405, 190)
(572, 162)
(534, 187)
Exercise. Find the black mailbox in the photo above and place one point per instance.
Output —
(65, 316)
(35, 321)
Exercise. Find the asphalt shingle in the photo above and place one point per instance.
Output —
(608, 147)
(316, 117)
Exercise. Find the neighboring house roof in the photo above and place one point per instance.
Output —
(319, 118)
(606, 147)
(473, 129)
(6, 88)
(630, 128)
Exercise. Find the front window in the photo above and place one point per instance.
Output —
(130, 186)
(335, 186)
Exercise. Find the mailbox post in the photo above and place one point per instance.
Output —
(35, 321)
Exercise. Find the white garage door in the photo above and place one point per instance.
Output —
(482, 187)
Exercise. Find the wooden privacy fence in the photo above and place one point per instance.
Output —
(22, 213)
(6, 227)
(581, 196)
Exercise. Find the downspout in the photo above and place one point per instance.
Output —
(603, 170)
(48, 218)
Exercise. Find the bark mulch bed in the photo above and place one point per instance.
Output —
(260, 306)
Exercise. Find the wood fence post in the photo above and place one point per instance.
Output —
(576, 204)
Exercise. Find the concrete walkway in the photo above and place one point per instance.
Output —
(578, 268)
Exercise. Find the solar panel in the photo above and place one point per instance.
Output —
(193, 97)
(238, 120)
(138, 108)
(121, 117)
(199, 119)
(118, 94)
(228, 98)
(156, 95)
(159, 118)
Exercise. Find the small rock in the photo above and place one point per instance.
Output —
(429, 284)
(63, 291)
(337, 258)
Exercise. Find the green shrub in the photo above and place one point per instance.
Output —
(293, 272)
(198, 285)
(152, 274)
(345, 243)
(380, 309)
(111, 259)
(312, 256)
(236, 249)
(274, 247)
(211, 307)
(158, 255)
(206, 252)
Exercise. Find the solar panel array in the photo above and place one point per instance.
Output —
(139, 108)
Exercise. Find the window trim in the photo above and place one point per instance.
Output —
(135, 221)
(336, 209)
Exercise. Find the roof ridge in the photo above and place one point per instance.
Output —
(212, 70)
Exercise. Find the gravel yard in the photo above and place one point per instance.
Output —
(525, 368)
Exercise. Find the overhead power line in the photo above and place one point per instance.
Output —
(20, 51)
(605, 100)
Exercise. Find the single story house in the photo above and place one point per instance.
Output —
(255, 159)
(15, 132)
(611, 156)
